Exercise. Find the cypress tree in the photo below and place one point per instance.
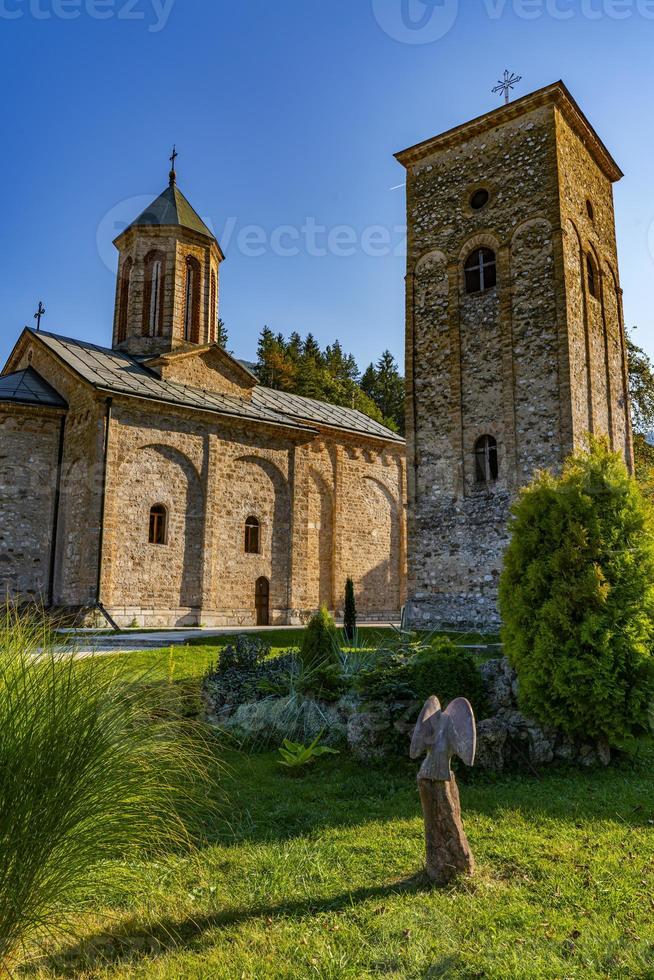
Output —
(350, 618)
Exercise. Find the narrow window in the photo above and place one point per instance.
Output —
(213, 311)
(153, 285)
(123, 308)
(481, 271)
(486, 464)
(158, 524)
(592, 276)
(252, 534)
(192, 304)
(590, 209)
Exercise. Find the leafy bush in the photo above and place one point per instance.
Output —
(413, 672)
(90, 775)
(350, 614)
(577, 599)
(239, 672)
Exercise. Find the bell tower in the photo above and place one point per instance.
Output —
(168, 274)
(514, 335)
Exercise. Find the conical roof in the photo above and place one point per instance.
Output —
(172, 209)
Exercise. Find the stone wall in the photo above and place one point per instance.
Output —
(327, 510)
(521, 362)
(29, 450)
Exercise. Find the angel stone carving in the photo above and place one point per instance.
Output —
(442, 734)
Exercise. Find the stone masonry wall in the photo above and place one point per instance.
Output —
(534, 362)
(211, 475)
(29, 448)
(600, 399)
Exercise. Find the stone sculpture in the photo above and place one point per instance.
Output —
(442, 734)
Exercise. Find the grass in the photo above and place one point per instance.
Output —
(319, 876)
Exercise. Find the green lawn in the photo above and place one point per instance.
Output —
(318, 876)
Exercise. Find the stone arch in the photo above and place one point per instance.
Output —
(157, 576)
(76, 562)
(320, 544)
(376, 546)
(255, 486)
(536, 345)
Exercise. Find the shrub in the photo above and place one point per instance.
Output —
(577, 599)
(413, 672)
(320, 640)
(89, 776)
(350, 616)
(448, 672)
(239, 672)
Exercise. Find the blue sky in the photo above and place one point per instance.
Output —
(284, 113)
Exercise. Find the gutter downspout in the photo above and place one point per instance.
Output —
(103, 497)
(55, 515)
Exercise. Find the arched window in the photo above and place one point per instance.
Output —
(213, 309)
(252, 536)
(158, 525)
(153, 285)
(123, 301)
(486, 464)
(480, 271)
(192, 301)
(592, 276)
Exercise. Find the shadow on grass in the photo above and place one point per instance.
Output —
(131, 941)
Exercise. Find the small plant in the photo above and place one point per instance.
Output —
(350, 617)
(295, 756)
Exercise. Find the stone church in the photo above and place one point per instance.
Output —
(515, 340)
(157, 480)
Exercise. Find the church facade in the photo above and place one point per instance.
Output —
(515, 340)
(158, 480)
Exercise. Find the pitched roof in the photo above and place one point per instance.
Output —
(112, 371)
(172, 209)
(29, 388)
(322, 413)
(556, 94)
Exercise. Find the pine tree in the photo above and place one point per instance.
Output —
(222, 338)
(265, 348)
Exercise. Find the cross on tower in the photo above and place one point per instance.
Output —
(172, 158)
(39, 313)
(510, 81)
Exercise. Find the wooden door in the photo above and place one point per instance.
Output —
(262, 601)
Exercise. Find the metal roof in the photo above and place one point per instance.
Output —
(322, 413)
(113, 371)
(172, 209)
(29, 388)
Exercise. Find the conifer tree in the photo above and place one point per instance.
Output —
(222, 338)
(350, 613)
(577, 599)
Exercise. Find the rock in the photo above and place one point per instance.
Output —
(491, 741)
(501, 684)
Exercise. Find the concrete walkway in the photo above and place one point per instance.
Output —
(89, 641)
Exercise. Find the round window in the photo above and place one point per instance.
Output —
(479, 199)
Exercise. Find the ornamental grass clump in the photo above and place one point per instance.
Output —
(93, 774)
(577, 599)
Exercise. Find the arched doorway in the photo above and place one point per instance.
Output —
(262, 601)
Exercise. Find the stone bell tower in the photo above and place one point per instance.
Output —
(167, 285)
(514, 335)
